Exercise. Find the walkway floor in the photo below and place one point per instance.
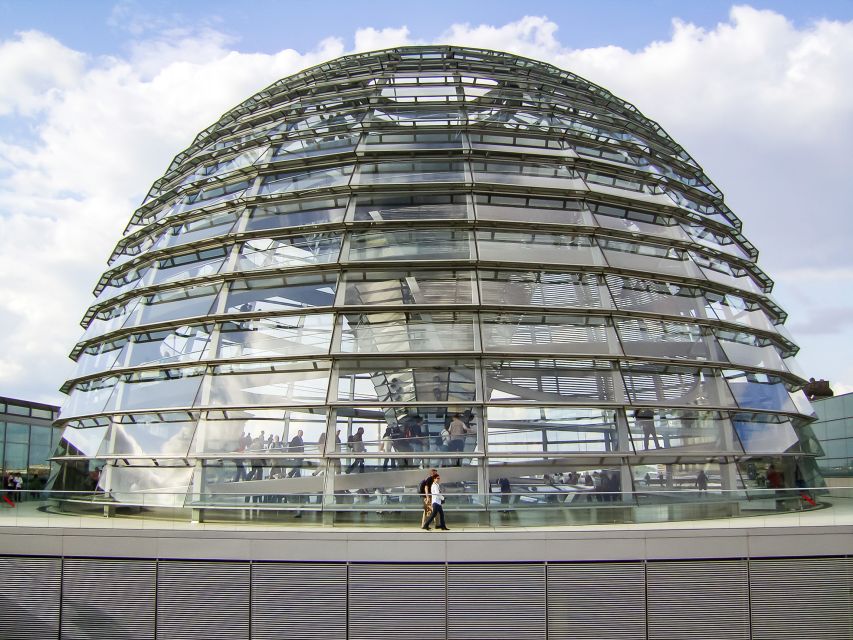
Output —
(37, 513)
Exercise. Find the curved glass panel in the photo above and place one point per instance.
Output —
(675, 385)
(290, 252)
(537, 246)
(549, 333)
(296, 214)
(406, 380)
(280, 293)
(394, 332)
(415, 244)
(411, 207)
(544, 289)
(579, 381)
(279, 336)
(503, 208)
(759, 391)
(551, 429)
(261, 383)
(409, 287)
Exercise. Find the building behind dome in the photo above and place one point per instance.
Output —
(392, 239)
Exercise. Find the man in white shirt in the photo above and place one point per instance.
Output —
(437, 500)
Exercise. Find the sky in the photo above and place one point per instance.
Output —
(97, 97)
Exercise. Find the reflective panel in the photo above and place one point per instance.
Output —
(405, 332)
(762, 433)
(545, 248)
(305, 180)
(733, 308)
(530, 174)
(548, 333)
(290, 252)
(409, 287)
(551, 429)
(407, 141)
(677, 385)
(198, 264)
(681, 431)
(100, 357)
(637, 221)
(723, 272)
(296, 214)
(697, 477)
(663, 339)
(406, 380)
(714, 239)
(197, 229)
(414, 244)
(314, 146)
(410, 172)
(82, 441)
(280, 336)
(175, 304)
(754, 390)
(375, 208)
(279, 293)
(750, 350)
(511, 143)
(649, 258)
(544, 289)
(639, 294)
(253, 431)
(267, 383)
(405, 434)
(181, 344)
(504, 208)
(149, 435)
(88, 397)
(156, 389)
(579, 381)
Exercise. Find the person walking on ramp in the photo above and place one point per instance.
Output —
(437, 500)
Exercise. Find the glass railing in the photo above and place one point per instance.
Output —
(397, 507)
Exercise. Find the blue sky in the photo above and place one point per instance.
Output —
(267, 26)
(96, 97)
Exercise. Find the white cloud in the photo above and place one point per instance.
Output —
(763, 105)
(33, 67)
(370, 39)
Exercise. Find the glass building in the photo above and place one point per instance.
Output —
(27, 439)
(434, 257)
(834, 430)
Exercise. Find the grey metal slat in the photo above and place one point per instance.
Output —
(29, 597)
(396, 601)
(802, 598)
(299, 600)
(698, 599)
(488, 601)
(596, 601)
(202, 600)
(103, 598)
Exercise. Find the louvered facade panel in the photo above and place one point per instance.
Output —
(489, 601)
(108, 599)
(698, 600)
(802, 598)
(405, 601)
(596, 601)
(29, 598)
(202, 600)
(299, 601)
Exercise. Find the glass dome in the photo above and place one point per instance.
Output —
(433, 257)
